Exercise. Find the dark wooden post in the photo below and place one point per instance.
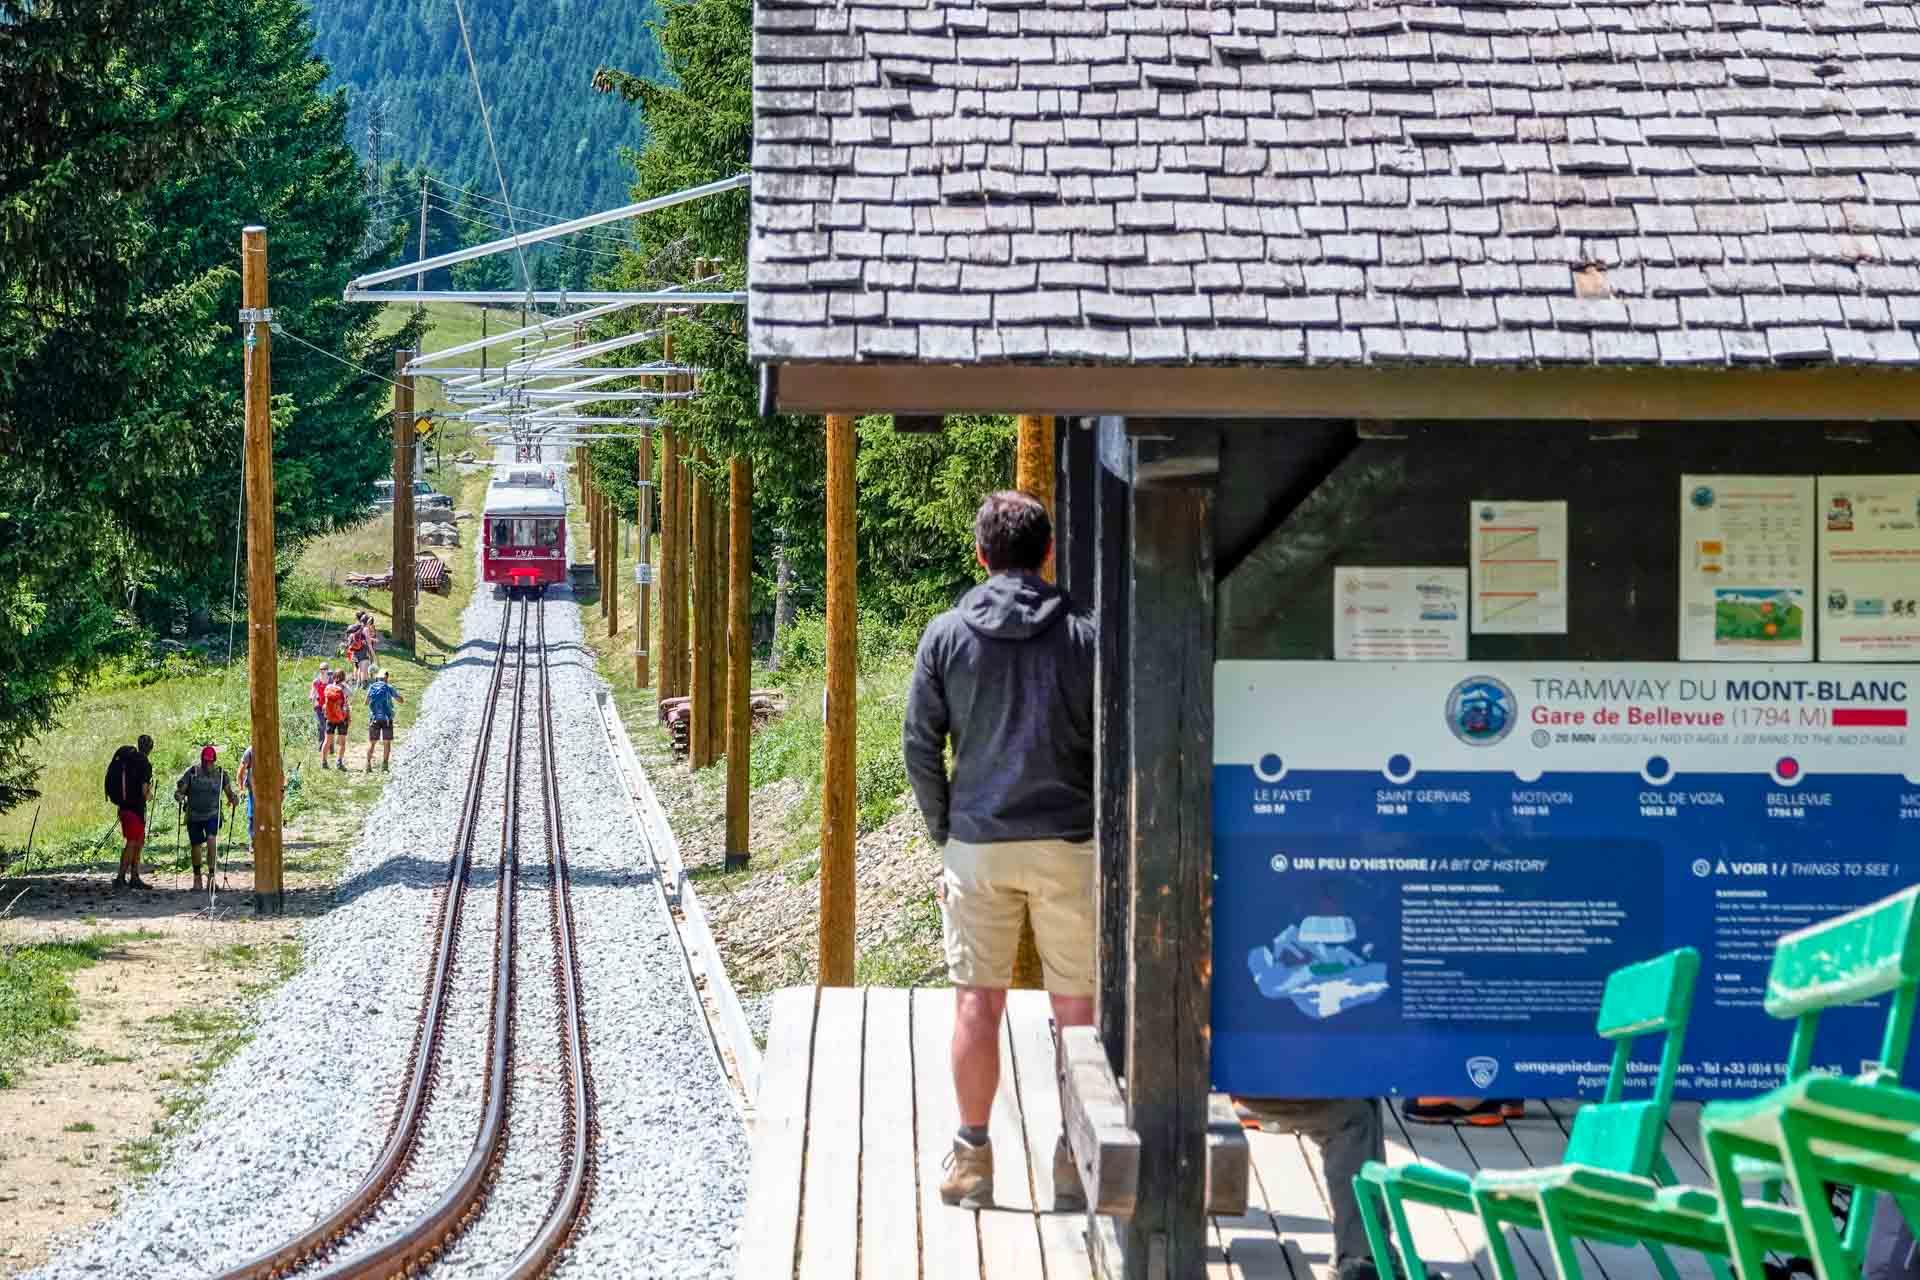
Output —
(837, 789)
(1170, 934)
(1113, 778)
(401, 615)
(739, 658)
(715, 641)
(263, 624)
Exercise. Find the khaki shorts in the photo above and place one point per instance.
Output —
(987, 889)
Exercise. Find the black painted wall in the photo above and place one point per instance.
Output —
(1296, 499)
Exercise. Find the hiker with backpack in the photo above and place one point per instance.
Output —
(129, 786)
(339, 719)
(360, 647)
(201, 788)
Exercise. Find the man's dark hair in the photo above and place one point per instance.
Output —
(1013, 532)
(146, 745)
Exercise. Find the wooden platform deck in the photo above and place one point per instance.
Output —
(855, 1114)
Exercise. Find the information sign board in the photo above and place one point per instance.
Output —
(1425, 871)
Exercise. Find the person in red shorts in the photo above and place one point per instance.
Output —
(130, 784)
(339, 720)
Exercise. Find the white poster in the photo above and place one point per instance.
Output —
(1870, 568)
(1399, 615)
(1746, 568)
(1519, 554)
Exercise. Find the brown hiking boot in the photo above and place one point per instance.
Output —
(969, 1181)
(1069, 1196)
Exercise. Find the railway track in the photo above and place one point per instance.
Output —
(330, 1248)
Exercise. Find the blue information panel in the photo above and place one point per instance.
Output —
(1425, 871)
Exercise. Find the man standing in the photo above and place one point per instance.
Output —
(130, 785)
(380, 699)
(202, 787)
(1007, 676)
(319, 692)
(333, 704)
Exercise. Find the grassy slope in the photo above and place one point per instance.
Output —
(787, 761)
(36, 1000)
(74, 821)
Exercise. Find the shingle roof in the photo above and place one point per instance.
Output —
(1324, 181)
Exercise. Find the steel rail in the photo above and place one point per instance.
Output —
(582, 1122)
(420, 1243)
(423, 1062)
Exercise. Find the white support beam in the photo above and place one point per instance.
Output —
(554, 232)
(556, 297)
(578, 420)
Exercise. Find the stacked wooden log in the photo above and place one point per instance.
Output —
(677, 714)
(430, 573)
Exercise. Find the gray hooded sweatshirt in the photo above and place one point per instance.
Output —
(1007, 674)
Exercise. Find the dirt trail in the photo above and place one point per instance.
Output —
(78, 1127)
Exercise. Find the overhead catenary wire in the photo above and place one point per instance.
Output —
(486, 124)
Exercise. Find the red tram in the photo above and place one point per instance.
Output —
(524, 525)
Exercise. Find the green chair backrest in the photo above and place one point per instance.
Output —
(1653, 997)
(1858, 956)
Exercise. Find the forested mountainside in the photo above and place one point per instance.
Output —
(413, 100)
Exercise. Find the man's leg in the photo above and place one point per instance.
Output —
(196, 866)
(977, 1012)
(132, 858)
(1349, 1133)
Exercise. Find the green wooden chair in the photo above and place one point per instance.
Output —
(1855, 957)
(1861, 1131)
(1653, 997)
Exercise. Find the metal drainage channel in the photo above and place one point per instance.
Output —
(423, 1239)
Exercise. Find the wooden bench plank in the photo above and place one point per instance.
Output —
(1009, 1235)
(1227, 1158)
(1300, 1213)
(1445, 1241)
(830, 1218)
(949, 1238)
(1250, 1249)
(770, 1229)
(1063, 1245)
(1472, 1149)
(1104, 1146)
(889, 1213)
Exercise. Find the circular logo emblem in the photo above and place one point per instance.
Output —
(1278, 862)
(1481, 711)
(1702, 868)
(1703, 496)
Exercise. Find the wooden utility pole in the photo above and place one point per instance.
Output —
(1034, 467)
(403, 529)
(837, 792)
(739, 657)
(700, 738)
(1033, 473)
(664, 668)
(683, 571)
(643, 557)
(263, 631)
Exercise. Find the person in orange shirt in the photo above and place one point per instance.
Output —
(339, 719)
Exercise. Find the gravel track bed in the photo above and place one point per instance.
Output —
(295, 1120)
